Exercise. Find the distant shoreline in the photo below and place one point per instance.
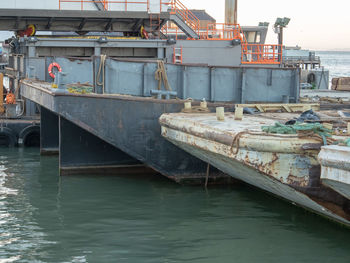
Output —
(333, 50)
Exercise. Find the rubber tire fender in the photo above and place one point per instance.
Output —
(311, 78)
(26, 131)
(11, 136)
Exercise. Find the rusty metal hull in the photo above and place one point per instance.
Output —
(335, 168)
(279, 165)
(126, 126)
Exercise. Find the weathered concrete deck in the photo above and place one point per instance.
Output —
(285, 165)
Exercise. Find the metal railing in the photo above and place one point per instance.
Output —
(175, 6)
(172, 30)
(221, 31)
(308, 59)
(178, 8)
(251, 53)
(177, 56)
(213, 31)
(107, 3)
(261, 54)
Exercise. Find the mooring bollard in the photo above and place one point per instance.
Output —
(238, 113)
(204, 104)
(188, 105)
(220, 113)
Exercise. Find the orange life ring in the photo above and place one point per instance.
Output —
(54, 64)
(10, 98)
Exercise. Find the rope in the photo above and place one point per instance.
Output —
(236, 140)
(347, 142)
(318, 132)
(80, 90)
(304, 129)
(207, 176)
(101, 69)
(161, 75)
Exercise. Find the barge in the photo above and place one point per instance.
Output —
(135, 78)
(101, 96)
(285, 165)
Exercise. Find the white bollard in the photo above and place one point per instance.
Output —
(220, 113)
(239, 113)
(188, 105)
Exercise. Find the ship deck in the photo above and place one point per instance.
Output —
(72, 20)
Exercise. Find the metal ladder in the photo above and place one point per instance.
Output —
(155, 24)
(177, 55)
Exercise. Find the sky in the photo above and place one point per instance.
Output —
(315, 24)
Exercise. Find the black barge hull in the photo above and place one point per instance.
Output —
(103, 133)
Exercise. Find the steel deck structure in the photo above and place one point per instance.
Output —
(74, 20)
(124, 115)
(117, 126)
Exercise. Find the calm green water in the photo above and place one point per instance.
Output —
(44, 218)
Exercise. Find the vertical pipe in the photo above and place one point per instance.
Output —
(1, 93)
(280, 43)
(231, 11)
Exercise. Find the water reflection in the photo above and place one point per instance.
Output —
(113, 219)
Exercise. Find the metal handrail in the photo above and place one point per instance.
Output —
(306, 58)
(250, 53)
(222, 31)
(213, 31)
(261, 54)
(178, 8)
(106, 3)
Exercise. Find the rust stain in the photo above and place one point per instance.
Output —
(246, 159)
(311, 146)
(297, 181)
(334, 208)
(274, 158)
